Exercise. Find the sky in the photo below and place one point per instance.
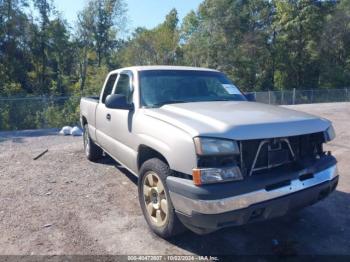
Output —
(145, 13)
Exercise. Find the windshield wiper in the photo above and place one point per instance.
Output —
(221, 99)
(169, 102)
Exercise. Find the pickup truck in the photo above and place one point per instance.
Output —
(207, 156)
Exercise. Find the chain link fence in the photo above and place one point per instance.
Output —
(38, 112)
(294, 97)
(53, 112)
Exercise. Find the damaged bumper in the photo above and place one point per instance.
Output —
(215, 206)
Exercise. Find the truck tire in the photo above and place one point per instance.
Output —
(155, 201)
(92, 151)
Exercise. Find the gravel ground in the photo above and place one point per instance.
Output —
(64, 204)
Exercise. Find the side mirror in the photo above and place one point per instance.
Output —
(118, 102)
(250, 97)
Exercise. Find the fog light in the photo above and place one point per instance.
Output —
(216, 175)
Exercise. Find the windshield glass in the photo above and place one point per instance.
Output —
(160, 87)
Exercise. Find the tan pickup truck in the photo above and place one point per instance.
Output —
(205, 156)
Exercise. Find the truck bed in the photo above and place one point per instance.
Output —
(88, 107)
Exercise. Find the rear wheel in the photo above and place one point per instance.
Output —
(92, 151)
(155, 200)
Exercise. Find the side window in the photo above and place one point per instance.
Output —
(109, 87)
(123, 86)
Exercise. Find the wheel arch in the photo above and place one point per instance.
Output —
(146, 152)
(83, 121)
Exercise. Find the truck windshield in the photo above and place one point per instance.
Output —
(161, 87)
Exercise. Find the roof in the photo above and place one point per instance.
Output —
(166, 67)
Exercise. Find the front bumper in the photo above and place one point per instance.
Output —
(202, 208)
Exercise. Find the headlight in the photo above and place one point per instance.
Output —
(329, 134)
(214, 146)
(216, 175)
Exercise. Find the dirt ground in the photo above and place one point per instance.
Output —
(64, 204)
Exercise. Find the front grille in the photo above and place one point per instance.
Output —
(278, 151)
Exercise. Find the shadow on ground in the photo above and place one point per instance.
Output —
(107, 160)
(18, 136)
(323, 228)
(313, 230)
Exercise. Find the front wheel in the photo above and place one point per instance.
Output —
(155, 200)
(92, 151)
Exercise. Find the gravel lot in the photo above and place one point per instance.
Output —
(64, 204)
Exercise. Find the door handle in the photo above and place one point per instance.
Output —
(108, 116)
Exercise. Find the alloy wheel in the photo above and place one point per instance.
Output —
(86, 142)
(155, 199)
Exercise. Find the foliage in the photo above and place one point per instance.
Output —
(157, 46)
(261, 45)
(61, 115)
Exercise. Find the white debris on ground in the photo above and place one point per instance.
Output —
(74, 131)
(66, 130)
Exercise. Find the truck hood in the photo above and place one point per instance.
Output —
(238, 120)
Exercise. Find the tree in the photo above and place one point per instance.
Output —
(157, 46)
(84, 41)
(97, 29)
(60, 60)
(13, 45)
(191, 40)
(232, 36)
(260, 44)
(105, 18)
(299, 24)
(44, 8)
(335, 47)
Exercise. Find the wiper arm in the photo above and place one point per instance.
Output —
(222, 99)
(169, 102)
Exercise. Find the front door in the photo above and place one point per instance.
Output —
(123, 144)
(102, 121)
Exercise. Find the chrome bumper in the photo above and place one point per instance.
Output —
(187, 205)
